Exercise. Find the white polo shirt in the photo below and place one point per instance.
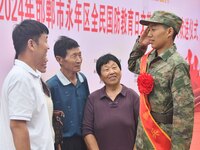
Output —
(23, 96)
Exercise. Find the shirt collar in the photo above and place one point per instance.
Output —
(26, 67)
(103, 92)
(166, 54)
(65, 81)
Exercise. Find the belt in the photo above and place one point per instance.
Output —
(165, 118)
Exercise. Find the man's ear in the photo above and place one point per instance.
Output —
(59, 59)
(31, 44)
(170, 32)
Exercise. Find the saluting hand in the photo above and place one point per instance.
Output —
(144, 39)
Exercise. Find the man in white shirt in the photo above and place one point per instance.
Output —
(23, 103)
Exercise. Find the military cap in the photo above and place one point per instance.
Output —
(166, 18)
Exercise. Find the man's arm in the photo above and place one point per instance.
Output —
(91, 142)
(20, 134)
(183, 111)
(138, 51)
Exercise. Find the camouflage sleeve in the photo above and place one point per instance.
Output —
(183, 114)
(134, 58)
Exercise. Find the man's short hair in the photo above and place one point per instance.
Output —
(27, 29)
(63, 44)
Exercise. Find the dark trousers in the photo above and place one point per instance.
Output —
(73, 143)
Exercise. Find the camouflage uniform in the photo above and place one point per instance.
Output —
(172, 91)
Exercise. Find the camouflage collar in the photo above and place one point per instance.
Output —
(165, 55)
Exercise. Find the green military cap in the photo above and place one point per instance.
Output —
(166, 18)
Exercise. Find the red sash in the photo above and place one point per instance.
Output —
(158, 138)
